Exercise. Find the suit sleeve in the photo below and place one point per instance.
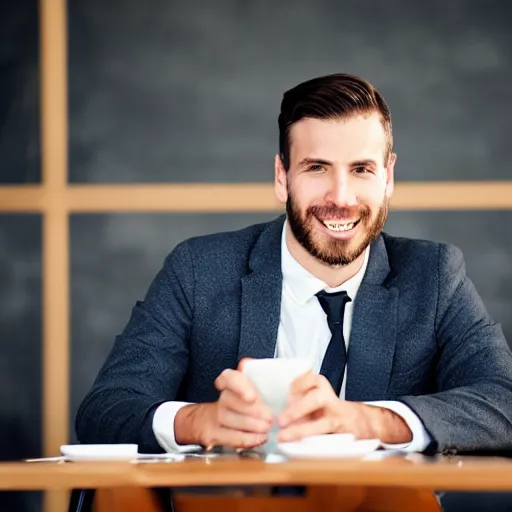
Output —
(472, 409)
(147, 363)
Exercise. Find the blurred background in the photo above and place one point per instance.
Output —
(166, 91)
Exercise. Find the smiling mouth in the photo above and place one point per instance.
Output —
(337, 226)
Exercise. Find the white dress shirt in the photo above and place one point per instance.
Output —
(303, 332)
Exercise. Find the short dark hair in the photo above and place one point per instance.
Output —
(330, 97)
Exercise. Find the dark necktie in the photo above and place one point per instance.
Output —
(335, 359)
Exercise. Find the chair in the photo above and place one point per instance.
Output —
(81, 500)
(120, 500)
(324, 498)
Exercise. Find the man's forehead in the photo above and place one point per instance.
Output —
(343, 139)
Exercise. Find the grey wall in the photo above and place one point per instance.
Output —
(20, 342)
(190, 91)
(20, 246)
(19, 92)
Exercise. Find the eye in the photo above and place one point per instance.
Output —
(362, 170)
(316, 168)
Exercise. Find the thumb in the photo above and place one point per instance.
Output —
(242, 363)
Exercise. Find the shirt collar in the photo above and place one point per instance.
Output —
(303, 285)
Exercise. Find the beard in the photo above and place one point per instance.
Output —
(331, 251)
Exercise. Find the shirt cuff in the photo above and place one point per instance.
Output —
(163, 428)
(420, 437)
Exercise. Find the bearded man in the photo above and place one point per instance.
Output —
(400, 345)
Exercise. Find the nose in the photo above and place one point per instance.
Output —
(341, 192)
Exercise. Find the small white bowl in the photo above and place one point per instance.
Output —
(99, 451)
(304, 450)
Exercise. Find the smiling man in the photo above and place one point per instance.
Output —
(400, 343)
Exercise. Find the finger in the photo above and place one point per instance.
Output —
(305, 383)
(257, 409)
(311, 402)
(300, 430)
(237, 383)
(235, 438)
(235, 421)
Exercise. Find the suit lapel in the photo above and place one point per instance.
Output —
(261, 295)
(374, 329)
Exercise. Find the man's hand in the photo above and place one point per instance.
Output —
(238, 419)
(313, 408)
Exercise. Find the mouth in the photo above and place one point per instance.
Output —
(340, 227)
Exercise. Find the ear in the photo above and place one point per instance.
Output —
(390, 175)
(280, 180)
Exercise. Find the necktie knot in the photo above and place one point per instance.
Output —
(333, 305)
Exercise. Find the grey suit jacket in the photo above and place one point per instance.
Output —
(420, 335)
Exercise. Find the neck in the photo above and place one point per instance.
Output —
(333, 276)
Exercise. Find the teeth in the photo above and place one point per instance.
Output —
(337, 226)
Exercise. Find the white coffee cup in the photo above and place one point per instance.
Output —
(273, 378)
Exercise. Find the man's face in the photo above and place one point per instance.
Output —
(337, 187)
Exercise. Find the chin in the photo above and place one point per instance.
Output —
(346, 250)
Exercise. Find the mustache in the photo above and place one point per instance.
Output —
(332, 211)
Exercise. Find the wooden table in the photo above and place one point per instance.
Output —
(385, 479)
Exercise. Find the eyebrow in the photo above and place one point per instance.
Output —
(309, 161)
(320, 161)
(363, 163)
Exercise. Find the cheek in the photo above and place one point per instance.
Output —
(308, 192)
(371, 194)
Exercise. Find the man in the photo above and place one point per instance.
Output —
(400, 343)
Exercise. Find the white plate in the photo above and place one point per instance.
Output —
(328, 448)
(99, 451)
(329, 439)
